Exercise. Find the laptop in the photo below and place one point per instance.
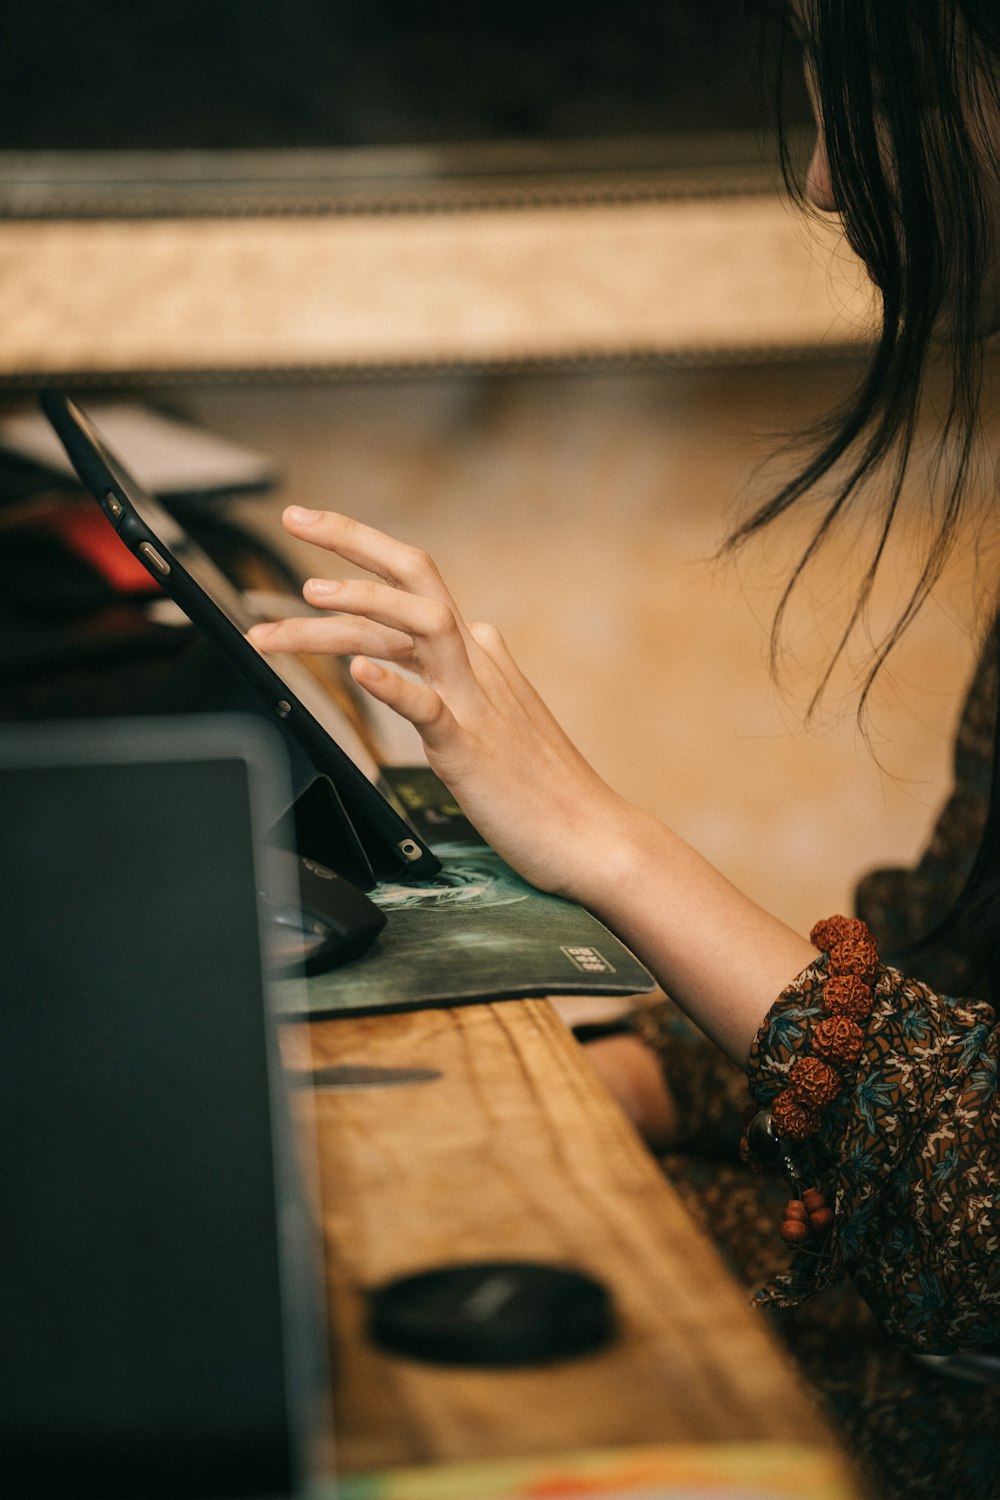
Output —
(161, 1327)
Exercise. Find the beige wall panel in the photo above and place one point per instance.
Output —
(234, 294)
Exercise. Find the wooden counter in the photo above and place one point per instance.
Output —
(518, 1151)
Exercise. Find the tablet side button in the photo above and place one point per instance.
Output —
(149, 552)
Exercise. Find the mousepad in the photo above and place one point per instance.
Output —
(476, 932)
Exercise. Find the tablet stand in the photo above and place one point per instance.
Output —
(316, 825)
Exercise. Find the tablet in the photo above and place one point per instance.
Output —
(288, 691)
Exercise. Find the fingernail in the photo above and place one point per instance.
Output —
(323, 588)
(300, 516)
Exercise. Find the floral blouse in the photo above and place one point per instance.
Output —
(907, 1154)
(902, 1137)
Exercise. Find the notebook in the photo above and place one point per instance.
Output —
(160, 1321)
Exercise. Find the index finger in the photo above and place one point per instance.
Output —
(396, 563)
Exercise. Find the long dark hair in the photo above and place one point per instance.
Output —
(909, 96)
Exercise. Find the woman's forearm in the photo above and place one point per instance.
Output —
(720, 956)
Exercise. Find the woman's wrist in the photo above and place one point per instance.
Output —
(719, 955)
(607, 850)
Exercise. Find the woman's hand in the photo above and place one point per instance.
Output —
(530, 793)
(487, 733)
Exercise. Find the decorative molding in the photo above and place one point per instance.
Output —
(691, 277)
(380, 179)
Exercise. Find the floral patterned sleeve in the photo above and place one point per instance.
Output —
(902, 1139)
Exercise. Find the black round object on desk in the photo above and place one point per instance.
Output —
(492, 1313)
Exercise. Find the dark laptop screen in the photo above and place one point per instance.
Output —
(141, 1317)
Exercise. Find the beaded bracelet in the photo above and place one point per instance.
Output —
(816, 1080)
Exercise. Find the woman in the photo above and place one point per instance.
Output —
(876, 1091)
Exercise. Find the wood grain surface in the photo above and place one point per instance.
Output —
(517, 1151)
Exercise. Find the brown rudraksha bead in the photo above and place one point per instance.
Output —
(814, 1083)
(838, 1040)
(793, 1119)
(847, 995)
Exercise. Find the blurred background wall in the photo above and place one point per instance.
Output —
(202, 74)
